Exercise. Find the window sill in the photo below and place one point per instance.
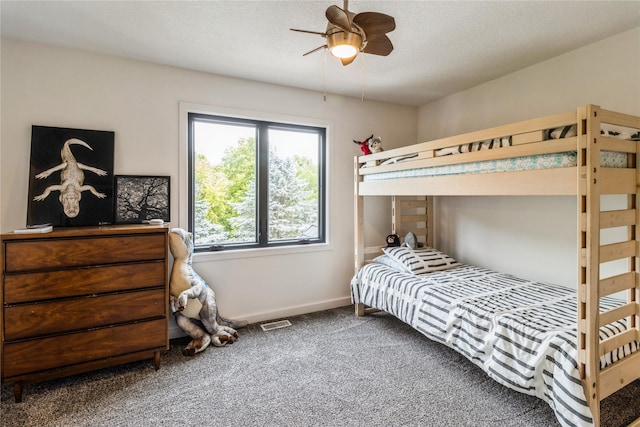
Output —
(260, 252)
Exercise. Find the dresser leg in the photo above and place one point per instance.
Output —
(156, 360)
(17, 391)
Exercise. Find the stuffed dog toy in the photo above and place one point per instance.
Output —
(192, 299)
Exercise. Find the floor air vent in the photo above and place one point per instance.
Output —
(275, 325)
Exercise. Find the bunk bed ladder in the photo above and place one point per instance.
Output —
(593, 182)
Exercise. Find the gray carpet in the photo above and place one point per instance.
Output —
(327, 369)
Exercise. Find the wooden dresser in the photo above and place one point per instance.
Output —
(79, 299)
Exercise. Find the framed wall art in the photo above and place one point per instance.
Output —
(70, 177)
(139, 198)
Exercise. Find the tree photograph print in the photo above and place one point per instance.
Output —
(141, 198)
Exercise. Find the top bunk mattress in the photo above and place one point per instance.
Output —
(609, 159)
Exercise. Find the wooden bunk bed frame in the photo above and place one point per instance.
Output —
(587, 181)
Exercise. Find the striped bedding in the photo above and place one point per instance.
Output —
(521, 333)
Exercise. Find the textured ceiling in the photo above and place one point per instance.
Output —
(441, 47)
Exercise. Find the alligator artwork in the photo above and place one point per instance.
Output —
(71, 180)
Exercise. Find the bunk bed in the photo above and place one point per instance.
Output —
(585, 340)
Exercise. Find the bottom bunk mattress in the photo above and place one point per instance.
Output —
(521, 333)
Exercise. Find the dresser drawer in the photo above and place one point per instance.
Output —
(63, 350)
(42, 254)
(26, 287)
(33, 320)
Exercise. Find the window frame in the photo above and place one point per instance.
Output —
(262, 125)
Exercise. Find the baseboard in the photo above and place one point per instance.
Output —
(296, 310)
(176, 332)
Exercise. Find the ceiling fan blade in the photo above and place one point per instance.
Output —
(347, 61)
(315, 50)
(374, 24)
(381, 45)
(338, 17)
(310, 32)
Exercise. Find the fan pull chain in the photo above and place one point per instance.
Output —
(362, 86)
(324, 76)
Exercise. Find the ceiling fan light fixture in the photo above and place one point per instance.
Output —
(344, 44)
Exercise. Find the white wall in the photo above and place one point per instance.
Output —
(52, 86)
(532, 237)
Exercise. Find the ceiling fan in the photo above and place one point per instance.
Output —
(348, 33)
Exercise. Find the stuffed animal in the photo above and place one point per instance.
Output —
(393, 240)
(364, 145)
(375, 144)
(193, 302)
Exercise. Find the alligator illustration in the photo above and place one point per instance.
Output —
(72, 180)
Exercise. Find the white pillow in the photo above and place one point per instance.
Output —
(389, 262)
(421, 261)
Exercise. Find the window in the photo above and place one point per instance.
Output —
(255, 183)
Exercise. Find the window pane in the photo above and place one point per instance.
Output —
(225, 183)
(293, 184)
